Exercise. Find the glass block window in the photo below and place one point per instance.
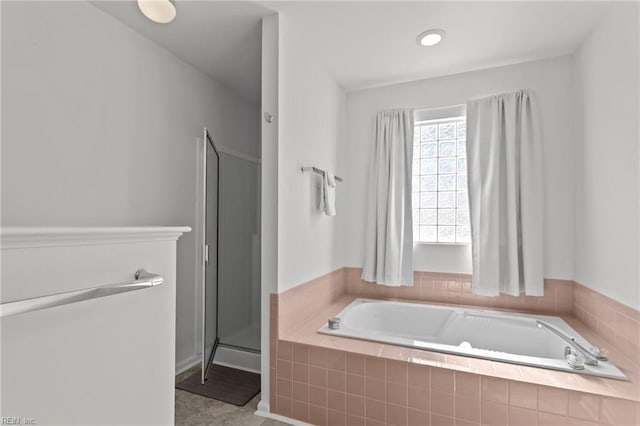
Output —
(440, 200)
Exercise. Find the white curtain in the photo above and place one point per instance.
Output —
(504, 161)
(389, 231)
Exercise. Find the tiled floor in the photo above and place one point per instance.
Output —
(192, 409)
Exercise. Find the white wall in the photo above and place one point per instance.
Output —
(607, 179)
(551, 82)
(311, 133)
(269, 198)
(99, 127)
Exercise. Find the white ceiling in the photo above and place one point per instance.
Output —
(367, 43)
(221, 38)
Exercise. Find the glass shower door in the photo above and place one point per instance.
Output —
(239, 256)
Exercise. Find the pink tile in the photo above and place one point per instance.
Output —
(375, 410)
(337, 360)
(375, 389)
(495, 414)
(300, 411)
(615, 411)
(419, 376)
(467, 384)
(272, 387)
(442, 380)
(318, 357)
(337, 380)
(355, 405)
(397, 372)
(467, 409)
(336, 401)
(285, 406)
(318, 396)
(337, 418)
(318, 376)
(442, 403)
(548, 419)
(300, 372)
(418, 418)
(564, 301)
(397, 353)
(396, 415)
(439, 420)
(301, 354)
(375, 368)
(523, 417)
(496, 390)
(584, 406)
(355, 420)
(460, 422)
(355, 364)
(524, 395)
(284, 388)
(284, 369)
(397, 394)
(300, 392)
(419, 398)
(580, 422)
(285, 350)
(355, 384)
(553, 400)
(318, 415)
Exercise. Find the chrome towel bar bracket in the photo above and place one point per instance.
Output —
(143, 279)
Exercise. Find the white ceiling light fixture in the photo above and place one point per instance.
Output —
(430, 37)
(160, 11)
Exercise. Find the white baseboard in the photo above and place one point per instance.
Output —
(186, 364)
(238, 359)
(263, 411)
(227, 357)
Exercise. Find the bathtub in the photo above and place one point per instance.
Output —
(501, 336)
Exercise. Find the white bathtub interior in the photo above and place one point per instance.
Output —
(495, 335)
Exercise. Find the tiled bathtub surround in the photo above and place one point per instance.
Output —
(325, 379)
(616, 322)
(456, 288)
(300, 303)
(330, 387)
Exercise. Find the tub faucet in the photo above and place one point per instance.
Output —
(591, 358)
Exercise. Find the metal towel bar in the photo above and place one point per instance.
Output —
(317, 171)
(143, 279)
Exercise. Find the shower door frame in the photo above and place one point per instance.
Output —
(202, 246)
(201, 228)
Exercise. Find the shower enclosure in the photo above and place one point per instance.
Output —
(230, 269)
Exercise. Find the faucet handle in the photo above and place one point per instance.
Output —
(334, 323)
(598, 353)
(574, 358)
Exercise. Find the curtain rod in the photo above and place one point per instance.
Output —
(440, 107)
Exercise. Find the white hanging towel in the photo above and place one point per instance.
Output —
(504, 166)
(328, 205)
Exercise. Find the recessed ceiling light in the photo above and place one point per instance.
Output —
(160, 11)
(430, 37)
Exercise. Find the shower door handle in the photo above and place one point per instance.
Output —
(206, 254)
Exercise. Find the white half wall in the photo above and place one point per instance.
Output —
(607, 236)
(99, 128)
(551, 83)
(311, 133)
